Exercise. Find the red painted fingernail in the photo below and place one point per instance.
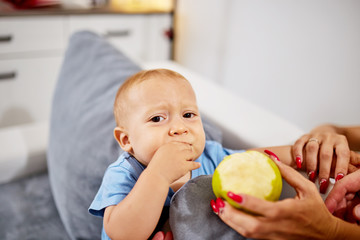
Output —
(220, 203)
(298, 162)
(311, 176)
(235, 197)
(339, 176)
(213, 206)
(271, 154)
(324, 183)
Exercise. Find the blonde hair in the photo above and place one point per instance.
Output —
(119, 104)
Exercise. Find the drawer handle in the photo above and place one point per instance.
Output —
(117, 33)
(7, 75)
(5, 38)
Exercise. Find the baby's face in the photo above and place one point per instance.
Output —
(161, 111)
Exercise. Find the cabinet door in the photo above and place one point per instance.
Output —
(26, 89)
(24, 34)
(141, 37)
(158, 42)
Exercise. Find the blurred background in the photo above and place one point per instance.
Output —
(298, 59)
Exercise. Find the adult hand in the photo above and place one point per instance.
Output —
(303, 217)
(343, 200)
(318, 149)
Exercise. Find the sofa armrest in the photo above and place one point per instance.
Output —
(23, 150)
(244, 124)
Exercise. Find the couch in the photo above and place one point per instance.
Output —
(50, 171)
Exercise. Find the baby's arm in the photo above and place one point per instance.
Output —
(138, 214)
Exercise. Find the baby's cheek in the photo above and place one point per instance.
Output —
(199, 149)
(144, 154)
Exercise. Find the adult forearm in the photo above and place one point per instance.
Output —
(346, 230)
(138, 214)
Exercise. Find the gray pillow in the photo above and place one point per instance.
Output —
(81, 143)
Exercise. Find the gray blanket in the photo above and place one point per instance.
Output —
(27, 210)
(191, 216)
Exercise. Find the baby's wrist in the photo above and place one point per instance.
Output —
(157, 177)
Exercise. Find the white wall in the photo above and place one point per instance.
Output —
(198, 26)
(299, 59)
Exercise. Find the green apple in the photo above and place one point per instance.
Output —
(249, 172)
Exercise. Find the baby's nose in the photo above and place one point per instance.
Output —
(178, 130)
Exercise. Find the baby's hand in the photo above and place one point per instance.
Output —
(173, 160)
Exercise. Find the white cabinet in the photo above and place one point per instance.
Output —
(141, 37)
(23, 34)
(31, 52)
(26, 96)
(32, 48)
(158, 44)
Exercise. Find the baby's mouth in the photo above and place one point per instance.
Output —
(186, 143)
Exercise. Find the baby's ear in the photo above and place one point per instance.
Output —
(122, 138)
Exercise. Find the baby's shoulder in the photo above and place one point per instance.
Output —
(126, 165)
(123, 161)
(216, 150)
(212, 147)
(212, 144)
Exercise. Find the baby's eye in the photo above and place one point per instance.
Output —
(188, 115)
(157, 119)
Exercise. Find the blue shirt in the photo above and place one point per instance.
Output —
(121, 176)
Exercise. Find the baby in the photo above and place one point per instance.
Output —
(160, 129)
